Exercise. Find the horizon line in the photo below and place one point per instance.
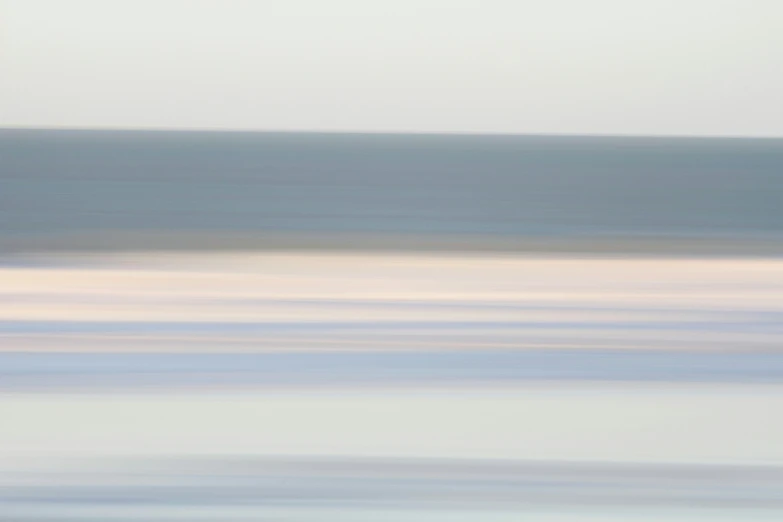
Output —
(383, 132)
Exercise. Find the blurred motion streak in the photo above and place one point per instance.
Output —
(313, 327)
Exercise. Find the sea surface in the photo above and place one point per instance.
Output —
(295, 327)
(217, 188)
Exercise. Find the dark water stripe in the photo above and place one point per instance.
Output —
(771, 314)
(770, 325)
(349, 482)
(391, 367)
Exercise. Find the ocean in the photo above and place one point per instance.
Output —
(65, 188)
(333, 327)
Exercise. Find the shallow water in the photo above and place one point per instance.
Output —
(302, 387)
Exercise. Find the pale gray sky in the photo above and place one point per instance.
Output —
(549, 66)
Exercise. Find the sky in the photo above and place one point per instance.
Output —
(659, 67)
